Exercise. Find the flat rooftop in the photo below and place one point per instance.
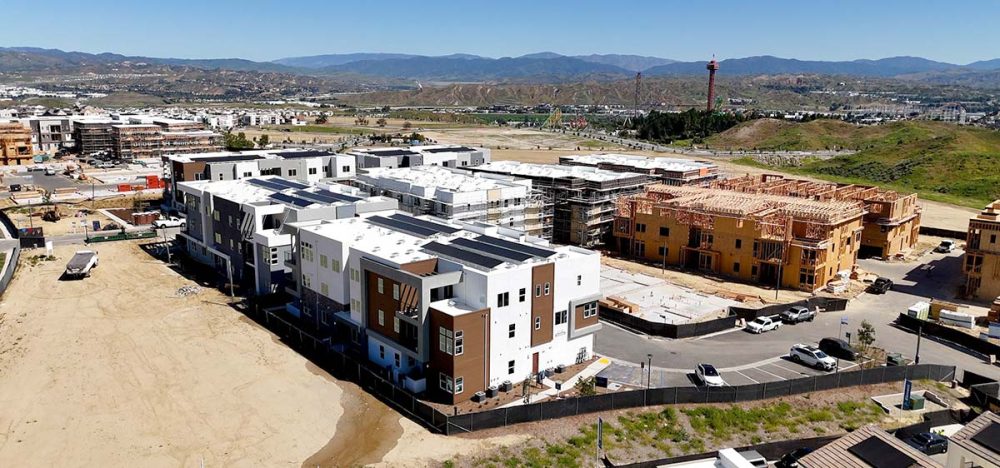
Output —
(641, 162)
(247, 155)
(272, 190)
(440, 178)
(660, 301)
(443, 149)
(555, 171)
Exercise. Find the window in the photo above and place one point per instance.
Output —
(444, 383)
(397, 360)
(446, 340)
(503, 299)
(215, 215)
(459, 385)
(736, 267)
(561, 317)
(381, 286)
(739, 243)
(346, 168)
(395, 324)
(355, 304)
(381, 317)
(355, 275)
(547, 289)
(381, 352)
(511, 330)
(662, 251)
(395, 291)
(510, 367)
(312, 171)
(459, 342)
(292, 172)
(521, 295)
(807, 277)
(640, 227)
(324, 289)
(322, 261)
(538, 323)
(335, 265)
(993, 238)
(579, 280)
(664, 231)
(218, 238)
(306, 281)
(538, 290)
(590, 310)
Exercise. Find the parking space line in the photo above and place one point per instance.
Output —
(789, 370)
(770, 373)
(747, 376)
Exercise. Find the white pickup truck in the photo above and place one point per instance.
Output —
(80, 265)
(169, 222)
(763, 324)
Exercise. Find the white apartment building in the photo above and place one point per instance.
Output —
(450, 308)
(458, 195)
(424, 155)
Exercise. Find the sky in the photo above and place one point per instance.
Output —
(949, 31)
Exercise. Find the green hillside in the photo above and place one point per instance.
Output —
(941, 161)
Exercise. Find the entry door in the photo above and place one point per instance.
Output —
(534, 363)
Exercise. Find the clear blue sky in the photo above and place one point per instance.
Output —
(952, 31)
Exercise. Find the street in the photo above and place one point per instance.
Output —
(743, 357)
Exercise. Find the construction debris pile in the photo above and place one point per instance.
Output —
(187, 291)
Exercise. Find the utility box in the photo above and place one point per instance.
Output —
(916, 402)
(894, 359)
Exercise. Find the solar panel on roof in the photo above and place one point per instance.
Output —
(266, 184)
(493, 250)
(281, 197)
(289, 183)
(879, 454)
(232, 158)
(302, 154)
(536, 251)
(424, 223)
(463, 255)
(327, 197)
(457, 149)
(402, 227)
(989, 437)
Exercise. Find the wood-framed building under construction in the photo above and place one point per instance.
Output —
(760, 238)
(891, 221)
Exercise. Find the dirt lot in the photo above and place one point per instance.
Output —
(69, 224)
(119, 370)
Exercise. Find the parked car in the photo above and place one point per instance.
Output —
(945, 246)
(812, 356)
(15, 187)
(50, 171)
(762, 324)
(838, 348)
(791, 459)
(929, 443)
(707, 375)
(880, 285)
(169, 222)
(796, 314)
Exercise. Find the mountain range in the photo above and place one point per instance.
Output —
(542, 67)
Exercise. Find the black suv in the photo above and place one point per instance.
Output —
(929, 443)
(880, 286)
(838, 348)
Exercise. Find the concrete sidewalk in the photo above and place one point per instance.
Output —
(590, 371)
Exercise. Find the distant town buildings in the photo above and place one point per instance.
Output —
(670, 171)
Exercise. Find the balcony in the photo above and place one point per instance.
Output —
(290, 260)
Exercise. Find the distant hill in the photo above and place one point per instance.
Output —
(769, 65)
(483, 69)
(939, 160)
(329, 60)
(629, 62)
(21, 59)
(985, 65)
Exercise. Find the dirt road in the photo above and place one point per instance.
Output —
(119, 370)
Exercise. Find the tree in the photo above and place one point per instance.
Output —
(866, 334)
(380, 122)
(263, 141)
(587, 387)
(322, 118)
(407, 125)
(237, 142)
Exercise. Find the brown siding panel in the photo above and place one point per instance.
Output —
(581, 322)
(542, 306)
(471, 365)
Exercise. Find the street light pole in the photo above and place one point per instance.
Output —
(920, 334)
(649, 370)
